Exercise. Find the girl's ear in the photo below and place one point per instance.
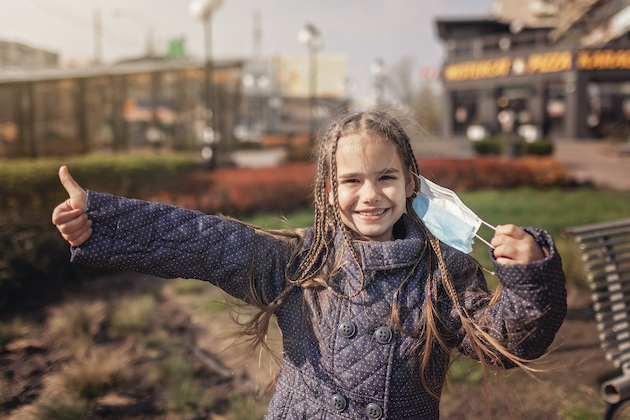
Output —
(411, 185)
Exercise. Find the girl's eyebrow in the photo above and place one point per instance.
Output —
(389, 170)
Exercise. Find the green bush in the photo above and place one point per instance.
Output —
(538, 148)
(498, 145)
(33, 257)
(491, 146)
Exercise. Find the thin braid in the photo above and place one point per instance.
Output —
(347, 240)
(320, 227)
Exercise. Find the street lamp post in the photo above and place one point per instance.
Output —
(310, 36)
(202, 10)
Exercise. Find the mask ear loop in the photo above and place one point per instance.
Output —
(483, 240)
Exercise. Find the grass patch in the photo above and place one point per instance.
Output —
(185, 286)
(578, 413)
(553, 210)
(246, 407)
(133, 315)
(467, 371)
(182, 393)
(12, 330)
(93, 376)
(300, 219)
(61, 407)
(5, 390)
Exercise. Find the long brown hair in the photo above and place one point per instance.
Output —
(310, 267)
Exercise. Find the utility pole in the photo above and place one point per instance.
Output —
(257, 34)
(98, 35)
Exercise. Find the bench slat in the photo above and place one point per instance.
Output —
(597, 226)
(605, 284)
(603, 232)
(594, 245)
(604, 254)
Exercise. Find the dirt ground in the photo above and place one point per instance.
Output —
(566, 388)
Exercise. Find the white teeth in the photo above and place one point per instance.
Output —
(372, 213)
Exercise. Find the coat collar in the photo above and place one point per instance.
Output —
(402, 252)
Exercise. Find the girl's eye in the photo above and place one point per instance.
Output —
(349, 181)
(387, 177)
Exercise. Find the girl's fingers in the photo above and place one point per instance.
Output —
(78, 238)
(511, 251)
(73, 234)
(80, 223)
(63, 214)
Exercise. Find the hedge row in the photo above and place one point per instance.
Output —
(34, 184)
(487, 172)
(34, 263)
(501, 145)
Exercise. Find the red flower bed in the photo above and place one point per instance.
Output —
(238, 192)
(288, 187)
(484, 173)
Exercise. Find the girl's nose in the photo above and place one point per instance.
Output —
(370, 193)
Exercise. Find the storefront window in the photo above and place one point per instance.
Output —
(464, 110)
(555, 109)
(513, 108)
(609, 109)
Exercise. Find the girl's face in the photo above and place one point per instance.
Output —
(373, 185)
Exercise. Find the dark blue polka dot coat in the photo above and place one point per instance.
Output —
(342, 358)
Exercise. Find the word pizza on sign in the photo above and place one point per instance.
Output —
(550, 62)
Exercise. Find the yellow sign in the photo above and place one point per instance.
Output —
(603, 60)
(486, 69)
(549, 62)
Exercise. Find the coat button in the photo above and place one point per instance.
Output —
(374, 411)
(338, 402)
(347, 329)
(383, 335)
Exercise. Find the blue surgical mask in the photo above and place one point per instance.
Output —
(446, 217)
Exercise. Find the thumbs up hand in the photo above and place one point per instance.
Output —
(69, 216)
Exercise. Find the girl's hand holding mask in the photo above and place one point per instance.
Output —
(512, 245)
(69, 216)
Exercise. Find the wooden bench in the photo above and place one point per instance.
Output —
(605, 249)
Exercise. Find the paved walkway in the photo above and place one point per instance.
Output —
(605, 164)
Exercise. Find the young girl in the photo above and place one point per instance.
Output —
(369, 303)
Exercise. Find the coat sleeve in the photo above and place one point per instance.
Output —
(530, 309)
(169, 242)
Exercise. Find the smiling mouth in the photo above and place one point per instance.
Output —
(372, 213)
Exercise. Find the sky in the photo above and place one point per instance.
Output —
(364, 30)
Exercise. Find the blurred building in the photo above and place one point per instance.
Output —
(14, 55)
(555, 68)
(155, 102)
(277, 97)
(150, 102)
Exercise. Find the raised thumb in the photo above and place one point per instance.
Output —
(69, 183)
(76, 193)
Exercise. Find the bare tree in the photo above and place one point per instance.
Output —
(427, 106)
(400, 81)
